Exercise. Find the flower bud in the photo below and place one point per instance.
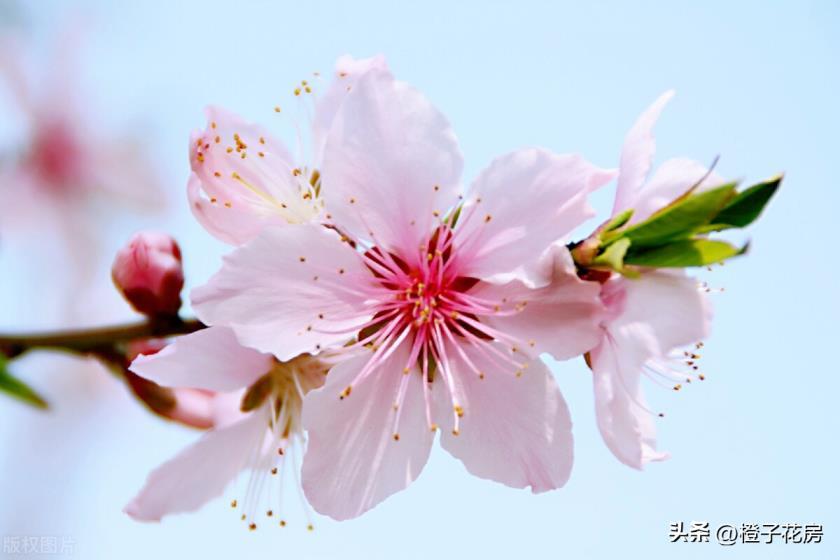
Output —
(149, 274)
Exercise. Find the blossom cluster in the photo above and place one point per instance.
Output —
(372, 303)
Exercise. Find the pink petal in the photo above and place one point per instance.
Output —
(624, 421)
(391, 162)
(665, 309)
(515, 430)
(353, 461)
(348, 70)
(199, 473)
(209, 359)
(253, 175)
(233, 225)
(290, 291)
(522, 203)
(562, 318)
(672, 179)
(637, 155)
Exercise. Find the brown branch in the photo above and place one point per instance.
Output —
(91, 340)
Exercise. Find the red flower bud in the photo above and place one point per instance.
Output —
(149, 274)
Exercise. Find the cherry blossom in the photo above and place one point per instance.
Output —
(415, 285)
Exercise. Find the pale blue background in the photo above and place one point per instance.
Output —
(757, 83)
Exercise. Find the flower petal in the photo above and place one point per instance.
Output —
(210, 359)
(289, 291)
(352, 461)
(624, 421)
(348, 70)
(562, 318)
(522, 203)
(200, 472)
(637, 155)
(234, 224)
(515, 430)
(671, 180)
(665, 309)
(391, 162)
(240, 165)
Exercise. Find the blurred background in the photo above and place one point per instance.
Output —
(757, 83)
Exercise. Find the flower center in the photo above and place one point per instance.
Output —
(423, 303)
(278, 397)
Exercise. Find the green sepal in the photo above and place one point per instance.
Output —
(613, 255)
(685, 253)
(618, 221)
(746, 206)
(681, 219)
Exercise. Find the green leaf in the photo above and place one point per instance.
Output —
(16, 388)
(681, 219)
(747, 205)
(618, 220)
(683, 253)
(613, 255)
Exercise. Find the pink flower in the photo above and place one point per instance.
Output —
(649, 317)
(66, 168)
(245, 179)
(423, 282)
(257, 422)
(149, 273)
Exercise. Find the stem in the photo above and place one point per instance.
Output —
(92, 340)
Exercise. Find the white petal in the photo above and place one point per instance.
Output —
(391, 162)
(289, 291)
(562, 318)
(209, 359)
(352, 461)
(348, 70)
(200, 472)
(521, 204)
(666, 309)
(637, 155)
(624, 421)
(515, 430)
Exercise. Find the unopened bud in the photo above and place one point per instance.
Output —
(149, 274)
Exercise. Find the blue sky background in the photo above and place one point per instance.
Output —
(757, 83)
